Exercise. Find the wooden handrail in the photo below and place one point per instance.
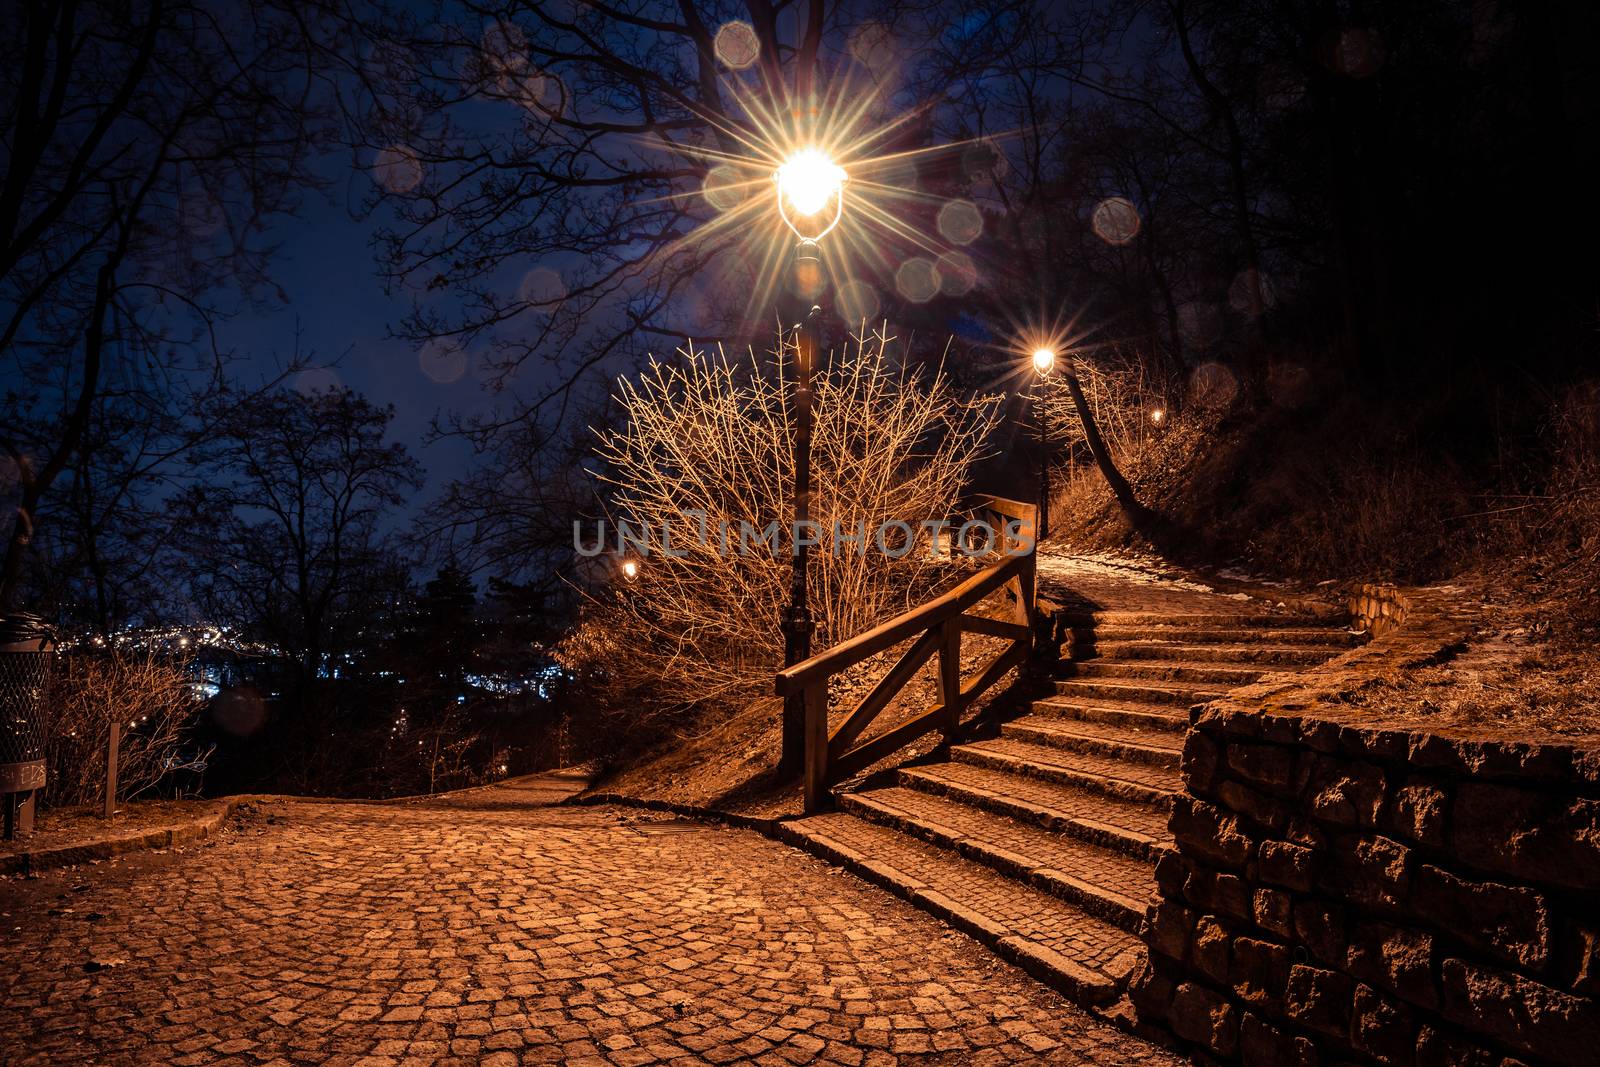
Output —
(863, 646)
(1028, 514)
(937, 627)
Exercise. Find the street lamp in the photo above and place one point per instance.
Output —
(810, 196)
(810, 190)
(1044, 361)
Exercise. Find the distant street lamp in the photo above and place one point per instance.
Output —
(1044, 361)
(630, 569)
(810, 190)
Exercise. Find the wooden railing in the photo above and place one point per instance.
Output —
(935, 627)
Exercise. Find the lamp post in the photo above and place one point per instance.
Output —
(810, 190)
(1044, 360)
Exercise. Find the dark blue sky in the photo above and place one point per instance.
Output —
(334, 296)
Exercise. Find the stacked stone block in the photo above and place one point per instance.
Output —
(1344, 894)
(1378, 608)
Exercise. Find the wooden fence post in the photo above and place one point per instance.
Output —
(792, 738)
(816, 745)
(950, 677)
(112, 748)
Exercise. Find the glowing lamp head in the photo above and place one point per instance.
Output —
(1044, 360)
(1158, 416)
(810, 193)
(630, 569)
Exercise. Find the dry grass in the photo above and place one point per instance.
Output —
(1301, 499)
(720, 754)
(1551, 537)
(82, 824)
(1361, 491)
(724, 755)
(1410, 489)
(1512, 685)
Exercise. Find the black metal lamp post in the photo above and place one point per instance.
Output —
(1044, 360)
(810, 189)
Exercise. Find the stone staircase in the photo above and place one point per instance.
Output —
(1042, 842)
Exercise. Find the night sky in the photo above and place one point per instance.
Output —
(335, 298)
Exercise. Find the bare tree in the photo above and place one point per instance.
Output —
(146, 145)
(511, 512)
(287, 532)
(548, 163)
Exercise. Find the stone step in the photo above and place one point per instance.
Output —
(1160, 748)
(1085, 958)
(1162, 670)
(1134, 828)
(1097, 689)
(1243, 656)
(1329, 636)
(1203, 619)
(1108, 885)
(1142, 716)
(1113, 777)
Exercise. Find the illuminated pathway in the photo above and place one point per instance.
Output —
(492, 928)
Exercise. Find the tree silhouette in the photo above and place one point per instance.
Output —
(147, 147)
(286, 533)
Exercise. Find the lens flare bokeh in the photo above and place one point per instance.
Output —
(827, 169)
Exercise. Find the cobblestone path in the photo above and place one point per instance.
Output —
(491, 928)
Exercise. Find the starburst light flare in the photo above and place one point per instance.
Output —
(805, 148)
(808, 182)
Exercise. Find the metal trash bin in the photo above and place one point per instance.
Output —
(27, 664)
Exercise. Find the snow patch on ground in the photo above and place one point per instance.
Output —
(1123, 567)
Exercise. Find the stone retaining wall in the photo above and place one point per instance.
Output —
(1378, 609)
(1347, 894)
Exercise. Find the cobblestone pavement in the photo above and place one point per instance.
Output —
(488, 929)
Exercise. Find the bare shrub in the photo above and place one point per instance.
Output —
(1122, 393)
(1344, 490)
(152, 696)
(435, 754)
(1565, 534)
(709, 434)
